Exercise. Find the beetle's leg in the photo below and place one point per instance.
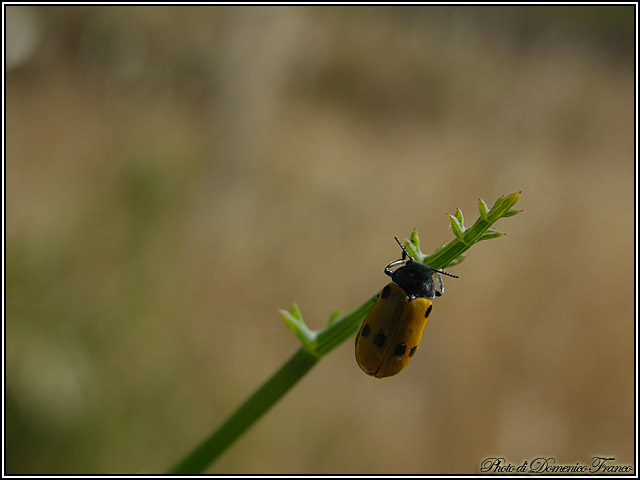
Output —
(441, 292)
(388, 270)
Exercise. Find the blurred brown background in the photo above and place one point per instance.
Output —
(177, 174)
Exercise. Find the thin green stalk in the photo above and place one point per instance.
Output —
(270, 392)
(255, 406)
(317, 343)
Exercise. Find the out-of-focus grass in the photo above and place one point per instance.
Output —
(175, 175)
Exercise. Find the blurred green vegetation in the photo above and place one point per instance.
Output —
(177, 174)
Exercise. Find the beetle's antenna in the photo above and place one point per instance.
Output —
(402, 247)
(407, 254)
(448, 274)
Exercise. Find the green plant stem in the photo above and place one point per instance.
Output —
(330, 337)
(250, 411)
(270, 392)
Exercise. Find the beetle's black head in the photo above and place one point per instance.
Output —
(416, 279)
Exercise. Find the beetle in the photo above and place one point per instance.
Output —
(390, 335)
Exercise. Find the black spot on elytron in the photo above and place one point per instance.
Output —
(413, 350)
(366, 330)
(386, 291)
(379, 339)
(428, 312)
(400, 349)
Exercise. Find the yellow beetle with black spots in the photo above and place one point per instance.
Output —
(390, 335)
